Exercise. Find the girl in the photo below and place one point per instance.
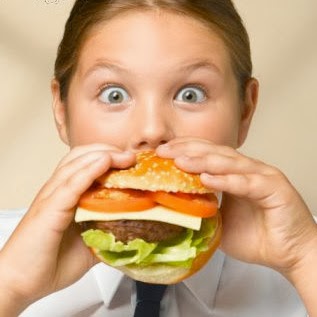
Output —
(176, 77)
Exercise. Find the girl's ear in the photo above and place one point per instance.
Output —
(60, 113)
(248, 109)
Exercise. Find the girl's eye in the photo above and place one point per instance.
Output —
(114, 95)
(191, 95)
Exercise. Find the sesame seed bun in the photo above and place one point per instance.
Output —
(155, 174)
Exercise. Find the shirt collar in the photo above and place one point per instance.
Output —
(204, 284)
(109, 280)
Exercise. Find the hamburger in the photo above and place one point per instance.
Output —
(153, 221)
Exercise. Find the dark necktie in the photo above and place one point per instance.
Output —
(148, 299)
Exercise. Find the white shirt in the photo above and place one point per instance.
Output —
(225, 287)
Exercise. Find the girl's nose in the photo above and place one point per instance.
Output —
(153, 126)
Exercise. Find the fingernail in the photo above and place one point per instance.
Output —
(161, 149)
(163, 146)
(207, 176)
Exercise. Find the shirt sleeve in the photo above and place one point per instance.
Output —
(9, 219)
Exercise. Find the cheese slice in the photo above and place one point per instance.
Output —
(157, 213)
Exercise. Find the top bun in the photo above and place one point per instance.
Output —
(155, 174)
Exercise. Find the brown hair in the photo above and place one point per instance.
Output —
(220, 15)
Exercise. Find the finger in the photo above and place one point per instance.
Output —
(82, 149)
(62, 173)
(192, 147)
(121, 159)
(256, 187)
(68, 192)
(116, 160)
(185, 139)
(56, 210)
(77, 178)
(83, 176)
(216, 163)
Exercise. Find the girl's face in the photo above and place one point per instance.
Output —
(144, 78)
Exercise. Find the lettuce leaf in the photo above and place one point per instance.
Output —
(177, 252)
(117, 253)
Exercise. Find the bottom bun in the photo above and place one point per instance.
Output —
(167, 274)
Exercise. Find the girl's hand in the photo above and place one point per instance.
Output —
(45, 253)
(265, 220)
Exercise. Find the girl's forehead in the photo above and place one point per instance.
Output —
(160, 40)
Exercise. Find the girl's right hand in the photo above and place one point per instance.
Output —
(46, 253)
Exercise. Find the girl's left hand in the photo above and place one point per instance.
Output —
(265, 220)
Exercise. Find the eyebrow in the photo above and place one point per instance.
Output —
(187, 68)
(198, 65)
(104, 64)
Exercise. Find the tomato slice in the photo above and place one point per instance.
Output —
(203, 206)
(115, 200)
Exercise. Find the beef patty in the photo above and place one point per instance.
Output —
(127, 230)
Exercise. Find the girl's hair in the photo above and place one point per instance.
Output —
(219, 15)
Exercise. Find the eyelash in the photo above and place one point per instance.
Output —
(195, 85)
(108, 85)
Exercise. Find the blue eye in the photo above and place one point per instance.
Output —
(114, 95)
(191, 94)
